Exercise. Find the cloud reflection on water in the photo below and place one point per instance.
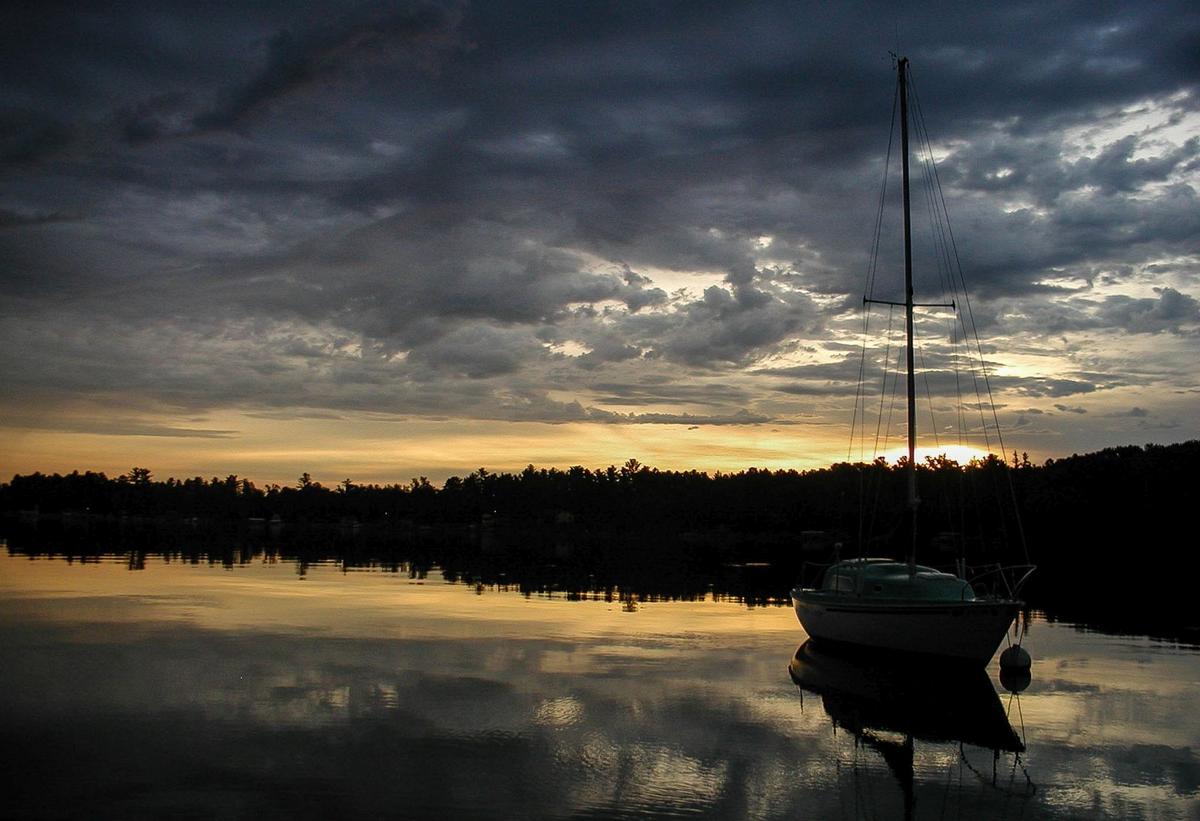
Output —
(250, 691)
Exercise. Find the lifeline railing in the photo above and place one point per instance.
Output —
(811, 573)
(1003, 573)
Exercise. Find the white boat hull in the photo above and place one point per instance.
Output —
(968, 631)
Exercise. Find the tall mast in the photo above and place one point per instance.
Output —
(913, 501)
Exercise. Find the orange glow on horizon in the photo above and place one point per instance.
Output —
(962, 454)
(383, 451)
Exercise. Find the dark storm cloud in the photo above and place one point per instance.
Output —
(10, 219)
(445, 208)
(296, 63)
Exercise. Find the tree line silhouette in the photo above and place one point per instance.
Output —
(1090, 521)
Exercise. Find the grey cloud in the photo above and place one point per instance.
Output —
(1168, 312)
(837, 378)
(728, 325)
(30, 136)
(1033, 166)
(1110, 210)
(817, 390)
(477, 351)
(742, 417)
(1115, 170)
(474, 270)
(118, 427)
(666, 390)
(1047, 387)
(162, 115)
(412, 35)
(611, 348)
(538, 407)
(641, 292)
(937, 379)
(11, 219)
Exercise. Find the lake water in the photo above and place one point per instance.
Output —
(195, 691)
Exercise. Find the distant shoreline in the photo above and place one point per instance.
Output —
(1092, 524)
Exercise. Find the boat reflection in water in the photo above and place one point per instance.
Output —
(887, 705)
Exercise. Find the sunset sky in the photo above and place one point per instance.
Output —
(379, 241)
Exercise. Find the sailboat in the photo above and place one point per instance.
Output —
(886, 604)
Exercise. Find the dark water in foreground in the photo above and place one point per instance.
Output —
(195, 691)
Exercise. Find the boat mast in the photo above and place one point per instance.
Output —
(913, 501)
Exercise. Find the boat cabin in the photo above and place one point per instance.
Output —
(890, 579)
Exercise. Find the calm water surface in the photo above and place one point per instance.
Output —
(186, 690)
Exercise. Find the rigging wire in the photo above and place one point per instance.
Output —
(887, 432)
(937, 443)
(943, 266)
(900, 354)
(869, 288)
(943, 213)
(887, 364)
(944, 241)
(961, 326)
(877, 478)
(960, 421)
(947, 243)
(861, 397)
(858, 392)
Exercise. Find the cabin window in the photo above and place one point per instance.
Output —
(840, 583)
